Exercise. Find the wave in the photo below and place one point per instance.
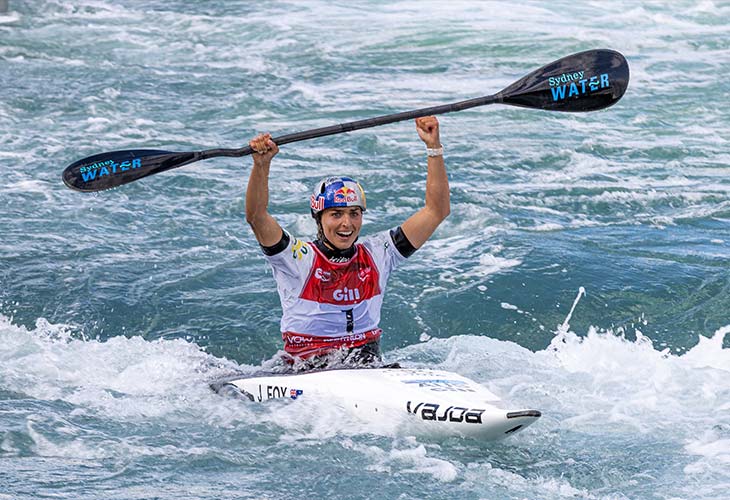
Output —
(600, 387)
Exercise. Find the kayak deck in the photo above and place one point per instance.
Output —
(426, 402)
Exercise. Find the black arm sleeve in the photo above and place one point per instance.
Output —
(401, 242)
(278, 247)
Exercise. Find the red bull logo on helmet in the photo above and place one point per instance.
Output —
(345, 195)
(316, 203)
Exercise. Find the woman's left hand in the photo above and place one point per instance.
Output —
(428, 131)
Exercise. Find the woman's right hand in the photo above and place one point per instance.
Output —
(264, 149)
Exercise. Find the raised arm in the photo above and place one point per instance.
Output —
(268, 232)
(421, 225)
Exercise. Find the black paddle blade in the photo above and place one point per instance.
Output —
(108, 170)
(586, 81)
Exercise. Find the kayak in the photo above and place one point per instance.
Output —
(423, 401)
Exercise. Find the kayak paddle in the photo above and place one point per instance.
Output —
(586, 81)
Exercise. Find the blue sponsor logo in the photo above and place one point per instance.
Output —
(109, 167)
(575, 84)
(434, 381)
(441, 385)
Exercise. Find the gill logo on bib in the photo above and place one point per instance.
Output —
(346, 294)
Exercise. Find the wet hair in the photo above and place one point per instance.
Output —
(320, 230)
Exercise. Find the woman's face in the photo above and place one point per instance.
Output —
(341, 226)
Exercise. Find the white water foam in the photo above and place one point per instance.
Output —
(121, 378)
(601, 385)
(407, 457)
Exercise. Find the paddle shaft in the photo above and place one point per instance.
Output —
(357, 125)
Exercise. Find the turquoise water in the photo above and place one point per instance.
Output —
(116, 308)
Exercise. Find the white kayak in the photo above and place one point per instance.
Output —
(428, 402)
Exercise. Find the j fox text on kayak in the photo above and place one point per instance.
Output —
(277, 391)
(576, 85)
(108, 167)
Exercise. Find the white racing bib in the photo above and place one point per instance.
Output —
(331, 299)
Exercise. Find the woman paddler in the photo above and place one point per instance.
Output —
(331, 289)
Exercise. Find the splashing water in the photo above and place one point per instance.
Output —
(119, 400)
